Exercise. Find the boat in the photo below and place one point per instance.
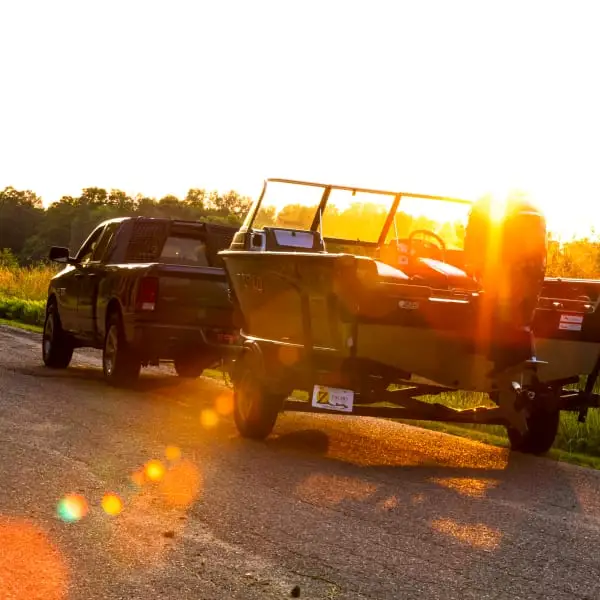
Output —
(360, 296)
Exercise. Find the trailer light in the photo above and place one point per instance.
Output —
(226, 338)
(147, 294)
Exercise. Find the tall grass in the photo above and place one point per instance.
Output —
(23, 292)
(26, 283)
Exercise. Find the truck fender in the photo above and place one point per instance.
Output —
(103, 313)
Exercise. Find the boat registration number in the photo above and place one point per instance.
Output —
(329, 398)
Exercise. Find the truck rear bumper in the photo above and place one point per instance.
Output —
(152, 340)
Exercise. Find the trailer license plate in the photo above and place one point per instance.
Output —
(329, 398)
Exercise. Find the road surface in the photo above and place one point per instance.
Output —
(328, 507)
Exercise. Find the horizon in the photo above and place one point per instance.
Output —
(156, 99)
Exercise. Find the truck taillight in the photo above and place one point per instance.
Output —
(147, 294)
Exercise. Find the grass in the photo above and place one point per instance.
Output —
(30, 312)
(23, 293)
(29, 283)
(25, 326)
(22, 303)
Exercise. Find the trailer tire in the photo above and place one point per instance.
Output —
(255, 409)
(542, 427)
(120, 364)
(57, 348)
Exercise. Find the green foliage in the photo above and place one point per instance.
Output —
(28, 230)
(31, 312)
(8, 259)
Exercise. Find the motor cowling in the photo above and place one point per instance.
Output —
(505, 250)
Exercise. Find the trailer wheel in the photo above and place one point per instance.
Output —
(57, 349)
(255, 409)
(120, 364)
(542, 427)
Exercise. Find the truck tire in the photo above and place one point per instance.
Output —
(191, 367)
(120, 364)
(542, 427)
(57, 348)
(255, 409)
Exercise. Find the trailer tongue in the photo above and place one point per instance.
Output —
(392, 317)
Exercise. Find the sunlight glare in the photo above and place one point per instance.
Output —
(479, 536)
(173, 453)
(112, 504)
(32, 567)
(224, 405)
(154, 470)
(467, 486)
(138, 478)
(181, 484)
(72, 508)
(209, 418)
(288, 355)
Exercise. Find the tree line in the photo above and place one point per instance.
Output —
(27, 229)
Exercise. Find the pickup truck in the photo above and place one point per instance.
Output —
(143, 290)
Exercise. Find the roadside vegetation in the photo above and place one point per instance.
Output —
(27, 231)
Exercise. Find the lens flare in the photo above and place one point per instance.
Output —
(224, 405)
(72, 508)
(154, 470)
(181, 485)
(209, 418)
(112, 504)
(138, 478)
(33, 568)
(173, 453)
(288, 355)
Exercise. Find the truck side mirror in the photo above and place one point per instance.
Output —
(59, 254)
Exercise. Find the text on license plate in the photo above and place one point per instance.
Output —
(329, 398)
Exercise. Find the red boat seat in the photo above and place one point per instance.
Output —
(391, 274)
(442, 275)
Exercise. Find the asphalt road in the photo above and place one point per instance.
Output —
(341, 507)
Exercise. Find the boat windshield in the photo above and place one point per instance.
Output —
(446, 219)
(355, 216)
(358, 216)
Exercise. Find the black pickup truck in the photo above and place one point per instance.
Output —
(143, 290)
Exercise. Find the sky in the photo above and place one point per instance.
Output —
(448, 98)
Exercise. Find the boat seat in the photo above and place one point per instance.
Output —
(441, 274)
(391, 274)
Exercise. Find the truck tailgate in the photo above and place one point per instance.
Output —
(192, 295)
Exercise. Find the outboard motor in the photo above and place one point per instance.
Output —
(505, 250)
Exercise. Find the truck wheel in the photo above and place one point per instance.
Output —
(57, 349)
(542, 427)
(190, 368)
(120, 364)
(255, 410)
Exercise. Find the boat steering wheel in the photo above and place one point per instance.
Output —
(441, 245)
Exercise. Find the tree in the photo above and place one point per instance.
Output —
(93, 195)
(20, 213)
(8, 259)
(196, 198)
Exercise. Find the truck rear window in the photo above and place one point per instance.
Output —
(179, 250)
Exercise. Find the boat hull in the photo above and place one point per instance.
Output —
(338, 303)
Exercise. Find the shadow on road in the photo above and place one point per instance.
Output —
(148, 381)
(476, 517)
